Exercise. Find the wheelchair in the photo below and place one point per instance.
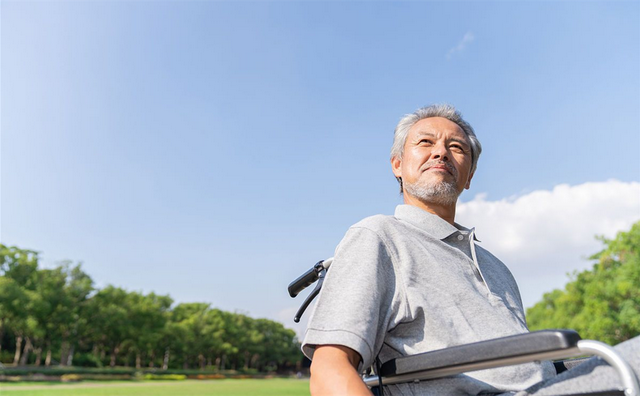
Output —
(505, 351)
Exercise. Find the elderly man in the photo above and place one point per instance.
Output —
(417, 281)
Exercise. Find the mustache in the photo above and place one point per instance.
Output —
(447, 165)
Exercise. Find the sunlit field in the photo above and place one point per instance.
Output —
(225, 387)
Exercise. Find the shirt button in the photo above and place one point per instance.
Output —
(460, 237)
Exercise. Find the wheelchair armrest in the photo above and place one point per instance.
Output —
(517, 349)
(545, 344)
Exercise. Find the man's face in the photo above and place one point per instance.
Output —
(436, 164)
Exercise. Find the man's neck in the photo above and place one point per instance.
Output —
(445, 212)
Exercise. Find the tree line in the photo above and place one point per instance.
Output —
(602, 303)
(56, 316)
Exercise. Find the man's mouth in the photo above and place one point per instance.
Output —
(444, 168)
(440, 168)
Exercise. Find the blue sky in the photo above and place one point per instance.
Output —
(214, 150)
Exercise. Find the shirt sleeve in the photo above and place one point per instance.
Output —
(356, 302)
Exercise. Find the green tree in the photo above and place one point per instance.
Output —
(280, 347)
(231, 340)
(61, 295)
(13, 299)
(19, 265)
(147, 320)
(108, 317)
(602, 303)
(191, 321)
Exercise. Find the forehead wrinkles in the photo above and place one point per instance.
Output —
(458, 136)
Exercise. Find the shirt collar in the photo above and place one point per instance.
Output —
(432, 224)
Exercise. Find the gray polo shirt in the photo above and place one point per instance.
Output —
(411, 283)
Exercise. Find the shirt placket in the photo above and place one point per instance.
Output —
(474, 257)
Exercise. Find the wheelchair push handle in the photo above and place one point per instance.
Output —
(303, 281)
(315, 274)
(309, 277)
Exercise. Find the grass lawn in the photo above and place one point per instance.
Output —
(224, 387)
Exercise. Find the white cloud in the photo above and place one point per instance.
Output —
(468, 38)
(543, 235)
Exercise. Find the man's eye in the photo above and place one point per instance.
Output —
(425, 141)
(457, 148)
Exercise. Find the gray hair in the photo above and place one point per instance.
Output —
(437, 110)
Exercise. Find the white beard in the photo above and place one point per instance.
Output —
(442, 193)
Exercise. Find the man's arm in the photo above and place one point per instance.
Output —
(333, 372)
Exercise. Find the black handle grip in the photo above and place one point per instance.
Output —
(303, 281)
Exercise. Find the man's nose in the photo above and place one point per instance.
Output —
(439, 151)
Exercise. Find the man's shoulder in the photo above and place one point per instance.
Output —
(377, 223)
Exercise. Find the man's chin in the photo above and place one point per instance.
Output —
(439, 200)
(440, 194)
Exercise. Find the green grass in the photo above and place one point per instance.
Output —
(225, 387)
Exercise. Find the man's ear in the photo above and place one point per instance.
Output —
(466, 186)
(396, 166)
